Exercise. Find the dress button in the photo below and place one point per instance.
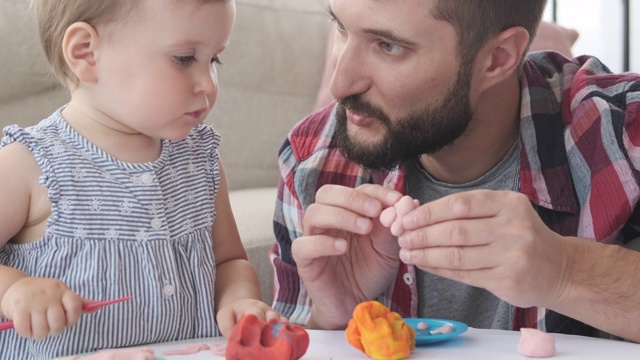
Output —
(156, 223)
(408, 278)
(147, 178)
(168, 290)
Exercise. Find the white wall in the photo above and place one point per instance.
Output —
(600, 25)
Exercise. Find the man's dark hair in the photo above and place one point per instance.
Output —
(477, 21)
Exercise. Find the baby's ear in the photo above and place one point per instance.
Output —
(78, 47)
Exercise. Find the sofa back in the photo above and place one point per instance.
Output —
(268, 82)
(28, 92)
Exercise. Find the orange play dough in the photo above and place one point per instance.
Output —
(380, 333)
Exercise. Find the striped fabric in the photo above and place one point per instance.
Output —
(580, 161)
(121, 229)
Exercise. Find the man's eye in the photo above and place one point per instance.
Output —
(391, 48)
(185, 60)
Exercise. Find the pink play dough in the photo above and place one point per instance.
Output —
(535, 343)
(391, 217)
(423, 325)
(404, 206)
(387, 216)
(196, 348)
(118, 354)
(444, 329)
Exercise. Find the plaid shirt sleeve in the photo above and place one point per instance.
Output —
(290, 297)
(580, 129)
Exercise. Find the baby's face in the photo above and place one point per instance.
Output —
(157, 70)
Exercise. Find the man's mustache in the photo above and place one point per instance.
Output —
(356, 104)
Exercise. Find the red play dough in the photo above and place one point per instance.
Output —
(253, 339)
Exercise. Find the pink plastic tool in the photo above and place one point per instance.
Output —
(95, 305)
(88, 307)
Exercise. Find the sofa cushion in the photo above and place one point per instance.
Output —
(25, 93)
(253, 210)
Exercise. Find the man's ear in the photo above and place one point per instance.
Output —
(500, 57)
(78, 47)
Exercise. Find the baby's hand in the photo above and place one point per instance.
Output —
(40, 307)
(229, 315)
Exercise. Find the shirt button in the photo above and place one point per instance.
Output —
(408, 279)
(168, 290)
(147, 178)
(156, 223)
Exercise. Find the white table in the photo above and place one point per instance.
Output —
(474, 344)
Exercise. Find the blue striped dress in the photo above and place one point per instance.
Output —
(120, 229)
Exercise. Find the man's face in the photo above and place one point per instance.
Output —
(399, 81)
(424, 131)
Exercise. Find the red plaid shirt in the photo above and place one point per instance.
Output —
(580, 162)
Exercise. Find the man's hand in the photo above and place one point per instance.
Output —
(489, 239)
(346, 255)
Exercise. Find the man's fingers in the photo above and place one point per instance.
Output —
(451, 258)
(367, 200)
(473, 232)
(319, 218)
(388, 197)
(308, 248)
(464, 205)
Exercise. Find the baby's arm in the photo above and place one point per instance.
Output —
(37, 306)
(237, 291)
(16, 181)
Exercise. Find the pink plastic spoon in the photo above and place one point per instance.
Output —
(88, 307)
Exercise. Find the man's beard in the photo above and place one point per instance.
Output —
(424, 131)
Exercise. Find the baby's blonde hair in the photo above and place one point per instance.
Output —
(55, 16)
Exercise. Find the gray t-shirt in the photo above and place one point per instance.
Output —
(442, 298)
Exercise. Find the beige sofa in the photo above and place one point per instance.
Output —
(269, 80)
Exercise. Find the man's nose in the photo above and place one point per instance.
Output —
(350, 76)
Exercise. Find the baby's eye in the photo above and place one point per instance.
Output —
(215, 61)
(185, 60)
(339, 25)
(391, 48)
